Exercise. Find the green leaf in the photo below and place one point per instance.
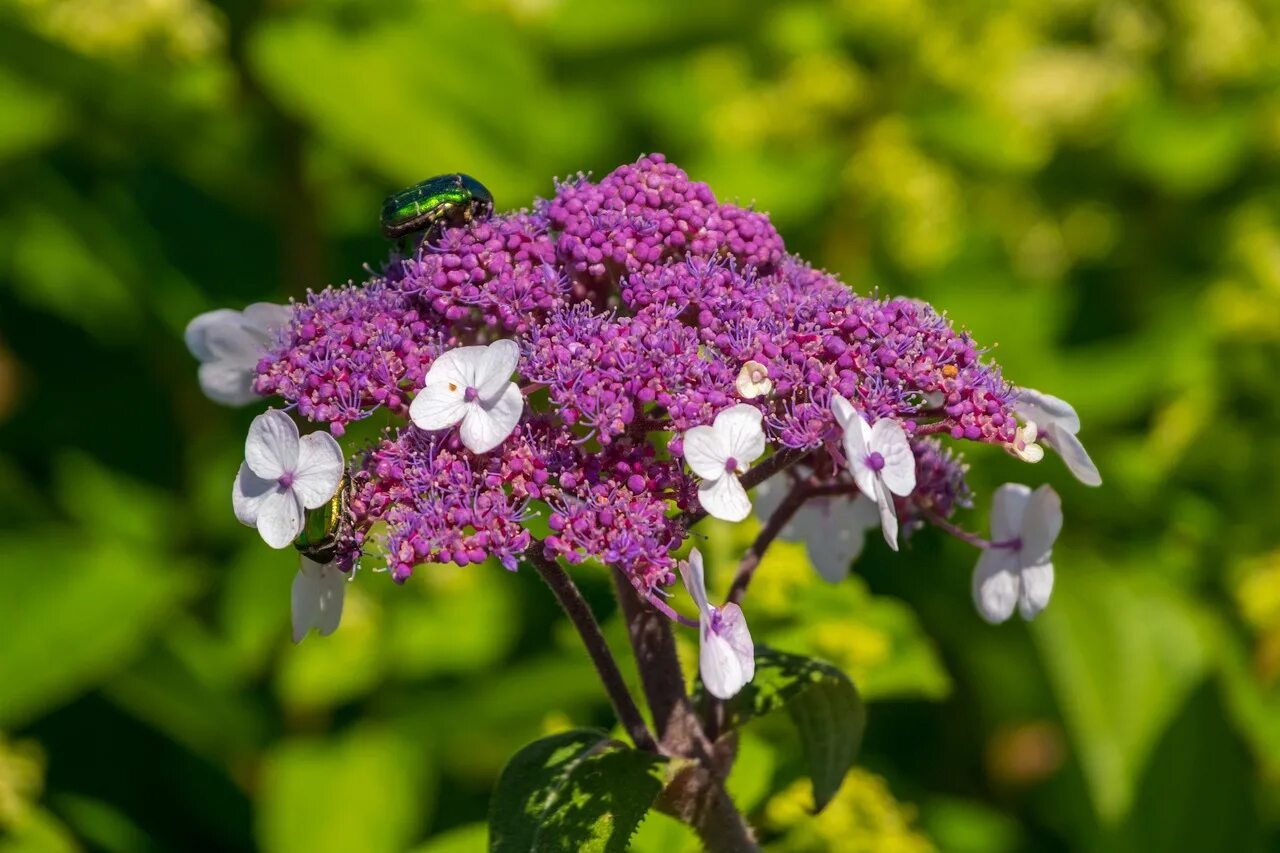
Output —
(578, 790)
(823, 704)
(1123, 652)
(380, 779)
(76, 611)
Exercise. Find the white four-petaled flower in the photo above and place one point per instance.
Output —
(316, 598)
(283, 475)
(719, 454)
(726, 655)
(229, 345)
(880, 459)
(1019, 574)
(834, 530)
(1057, 423)
(472, 385)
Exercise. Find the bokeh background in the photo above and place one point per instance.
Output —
(1091, 185)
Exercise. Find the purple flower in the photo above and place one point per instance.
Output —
(624, 317)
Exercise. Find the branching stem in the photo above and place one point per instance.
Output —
(570, 598)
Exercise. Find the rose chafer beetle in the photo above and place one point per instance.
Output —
(318, 540)
(436, 202)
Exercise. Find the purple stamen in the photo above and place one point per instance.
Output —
(286, 480)
(875, 461)
(731, 464)
(471, 394)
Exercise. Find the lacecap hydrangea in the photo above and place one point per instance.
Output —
(621, 360)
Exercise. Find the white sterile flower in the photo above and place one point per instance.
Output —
(1020, 574)
(753, 381)
(316, 598)
(472, 385)
(726, 655)
(719, 454)
(283, 475)
(229, 345)
(880, 459)
(1024, 443)
(834, 530)
(1057, 424)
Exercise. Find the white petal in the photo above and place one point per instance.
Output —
(888, 514)
(267, 318)
(320, 469)
(495, 369)
(724, 498)
(317, 596)
(753, 381)
(719, 664)
(271, 447)
(484, 428)
(197, 331)
(459, 366)
(304, 601)
(1041, 524)
(733, 629)
(890, 441)
(1037, 586)
(439, 405)
(836, 535)
(856, 434)
(235, 342)
(843, 410)
(1007, 505)
(1046, 409)
(740, 428)
(706, 452)
(1074, 455)
(691, 572)
(247, 494)
(280, 518)
(227, 382)
(996, 585)
(768, 497)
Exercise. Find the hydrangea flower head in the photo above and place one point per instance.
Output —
(571, 359)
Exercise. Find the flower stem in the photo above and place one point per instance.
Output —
(697, 795)
(751, 560)
(570, 598)
(780, 461)
(959, 532)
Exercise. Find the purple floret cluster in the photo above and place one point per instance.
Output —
(636, 301)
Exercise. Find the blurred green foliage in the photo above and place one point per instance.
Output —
(1091, 184)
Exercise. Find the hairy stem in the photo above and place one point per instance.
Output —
(566, 592)
(959, 532)
(660, 676)
(697, 795)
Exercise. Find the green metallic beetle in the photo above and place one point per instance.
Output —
(318, 540)
(436, 202)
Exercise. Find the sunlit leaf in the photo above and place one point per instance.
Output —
(579, 790)
(824, 705)
(1123, 651)
(75, 611)
(366, 790)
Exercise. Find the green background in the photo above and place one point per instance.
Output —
(1089, 184)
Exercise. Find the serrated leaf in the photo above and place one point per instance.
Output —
(824, 705)
(577, 790)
